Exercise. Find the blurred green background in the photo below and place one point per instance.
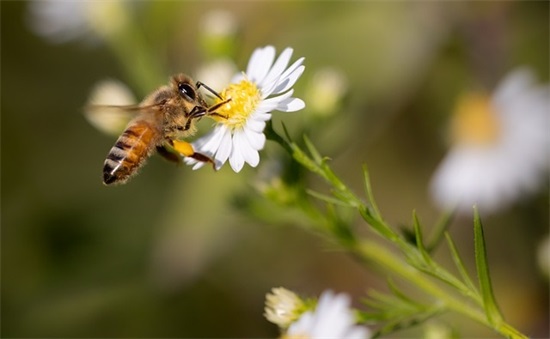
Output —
(170, 254)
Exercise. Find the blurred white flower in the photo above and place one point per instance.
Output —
(108, 119)
(266, 86)
(332, 319)
(326, 90)
(218, 33)
(219, 23)
(282, 307)
(437, 330)
(501, 146)
(60, 21)
(216, 74)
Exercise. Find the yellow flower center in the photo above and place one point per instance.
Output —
(245, 97)
(474, 121)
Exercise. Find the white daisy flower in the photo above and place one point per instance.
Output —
(501, 146)
(265, 87)
(332, 319)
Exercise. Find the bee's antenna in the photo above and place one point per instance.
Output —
(199, 84)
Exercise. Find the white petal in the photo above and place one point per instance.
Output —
(207, 145)
(268, 88)
(255, 139)
(262, 116)
(254, 61)
(225, 148)
(279, 84)
(249, 154)
(271, 103)
(210, 143)
(332, 318)
(256, 124)
(297, 64)
(278, 67)
(288, 81)
(199, 143)
(198, 165)
(190, 161)
(260, 63)
(291, 105)
(236, 160)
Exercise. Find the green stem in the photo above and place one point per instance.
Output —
(274, 136)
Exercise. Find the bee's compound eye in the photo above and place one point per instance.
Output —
(186, 91)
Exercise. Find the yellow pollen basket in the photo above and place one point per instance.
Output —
(296, 336)
(245, 97)
(474, 121)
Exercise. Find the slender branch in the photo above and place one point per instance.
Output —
(371, 251)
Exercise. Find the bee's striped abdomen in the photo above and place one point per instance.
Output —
(127, 155)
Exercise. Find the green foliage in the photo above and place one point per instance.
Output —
(414, 262)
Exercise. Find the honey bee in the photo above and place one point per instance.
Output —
(163, 117)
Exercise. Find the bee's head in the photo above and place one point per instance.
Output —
(187, 90)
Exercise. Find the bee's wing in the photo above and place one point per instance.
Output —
(111, 106)
(108, 119)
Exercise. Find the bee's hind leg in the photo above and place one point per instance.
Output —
(186, 149)
(169, 154)
(203, 158)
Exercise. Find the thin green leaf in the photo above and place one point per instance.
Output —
(395, 290)
(460, 264)
(326, 198)
(378, 225)
(345, 197)
(440, 229)
(302, 158)
(379, 298)
(285, 130)
(418, 237)
(493, 313)
(338, 226)
(313, 151)
(396, 321)
(370, 195)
